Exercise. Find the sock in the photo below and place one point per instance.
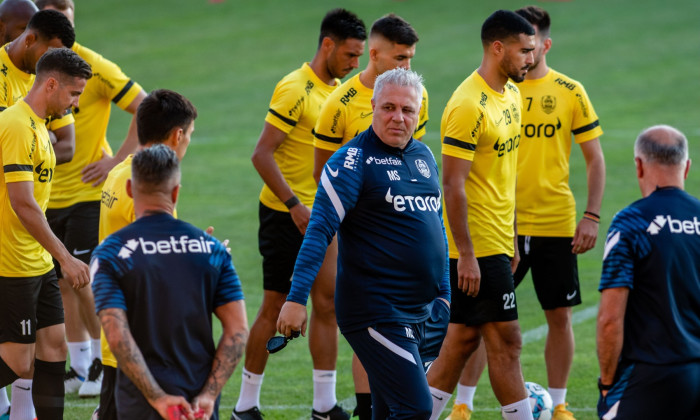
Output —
(4, 402)
(80, 357)
(465, 395)
(520, 410)
(363, 410)
(249, 396)
(558, 396)
(48, 391)
(96, 349)
(440, 400)
(7, 375)
(324, 390)
(22, 404)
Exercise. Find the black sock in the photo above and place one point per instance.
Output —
(48, 392)
(7, 375)
(364, 406)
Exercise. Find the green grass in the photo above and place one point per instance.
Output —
(637, 59)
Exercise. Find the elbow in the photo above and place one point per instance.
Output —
(65, 156)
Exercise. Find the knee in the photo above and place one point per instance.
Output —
(323, 307)
(559, 319)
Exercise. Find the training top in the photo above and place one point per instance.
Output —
(108, 84)
(294, 108)
(554, 107)
(116, 208)
(26, 155)
(483, 126)
(168, 276)
(385, 204)
(348, 112)
(653, 248)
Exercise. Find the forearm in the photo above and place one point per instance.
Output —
(34, 221)
(457, 216)
(127, 353)
(595, 175)
(228, 355)
(130, 144)
(270, 173)
(609, 341)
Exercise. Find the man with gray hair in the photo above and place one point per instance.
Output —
(381, 194)
(648, 331)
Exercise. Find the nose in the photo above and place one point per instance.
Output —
(355, 63)
(406, 64)
(530, 58)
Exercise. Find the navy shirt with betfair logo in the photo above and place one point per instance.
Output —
(386, 205)
(168, 276)
(653, 248)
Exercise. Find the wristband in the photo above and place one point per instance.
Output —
(590, 213)
(292, 202)
(604, 387)
(591, 218)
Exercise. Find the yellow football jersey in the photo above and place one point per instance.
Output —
(26, 155)
(116, 208)
(108, 84)
(294, 109)
(554, 108)
(348, 112)
(483, 126)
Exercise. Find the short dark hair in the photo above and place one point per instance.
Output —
(394, 29)
(160, 112)
(50, 24)
(153, 167)
(58, 4)
(340, 24)
(504, 24)
(536, 16)
(63, 61)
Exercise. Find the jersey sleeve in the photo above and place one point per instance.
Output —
(337, 194)
(625, 243)
(462, 128)
(422, 117)
(5, 92)
(17, 145)
(228, 288)
(105, 270)
(585, 124)
(112, 83)
(286, 106)
(330, 126)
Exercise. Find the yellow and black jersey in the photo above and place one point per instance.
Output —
(294, 109)
(483, 126)
(116, 208)
(554, 107)
(26, 155)
(108, 84)
(348, 112)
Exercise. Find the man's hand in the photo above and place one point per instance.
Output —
(300, 215)
(165, 401)
(98, 171)
(76, 271)
(585, 236)
(204, 404)
(515, 261)
(469, 275)
(292, 318)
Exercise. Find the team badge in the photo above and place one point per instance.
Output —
(516, 113)
(548, 103)
(423, 168)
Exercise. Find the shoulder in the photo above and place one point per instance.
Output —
(565, 82)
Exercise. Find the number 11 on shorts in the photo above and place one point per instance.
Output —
(26, 326)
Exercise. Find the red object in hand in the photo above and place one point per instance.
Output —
(175, 411)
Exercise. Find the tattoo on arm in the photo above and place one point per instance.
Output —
(228, 354)
(129, 356)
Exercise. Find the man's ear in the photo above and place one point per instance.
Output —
(175, 193)
(640, 167)
(128, 189)
(687, 168)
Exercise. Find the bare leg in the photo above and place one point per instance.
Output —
(503, 345)
(559, 348)
(323, 328)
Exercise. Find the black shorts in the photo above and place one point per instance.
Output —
(554, 270)
(496, 299)
(107, 409)
(279, 242)
(77, 227)
(28, 304)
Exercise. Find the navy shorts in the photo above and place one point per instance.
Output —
(554, 270)
(28, 304)
(389, 354)
(279, 242)
(77, 226)
(645, 391)
(496, 299)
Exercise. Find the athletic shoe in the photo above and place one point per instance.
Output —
(561, 413)
(96, 413)
(72, 381)
(252, 414)
(335, 413)
(92, 385)
(460, 412)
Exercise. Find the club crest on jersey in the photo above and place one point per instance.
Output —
(548, 103)
(423, 168)
(516, 112)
